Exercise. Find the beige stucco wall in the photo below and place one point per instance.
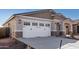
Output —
(19, 27)
(54, 27)
(70, 25)
(16, 27)
(23, 19)
(12, 25)
(75, 23)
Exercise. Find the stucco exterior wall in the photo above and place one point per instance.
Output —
(68, 23)
(19, 27)
(17, 22)
(75, 24)
(54, 26)
(12, 25)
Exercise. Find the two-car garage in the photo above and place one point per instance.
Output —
(36, 28)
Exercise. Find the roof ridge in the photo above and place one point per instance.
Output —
(37, 11)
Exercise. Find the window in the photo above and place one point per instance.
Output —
(41, 24)
(8, 24)
(66, 26)
(27, 23)
(58, 26)
(34, 24)
(47, 25)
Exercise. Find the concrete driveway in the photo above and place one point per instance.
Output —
(51, 43)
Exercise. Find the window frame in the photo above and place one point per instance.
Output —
(34, 24)
(27, 23)
(41, 24)
(47, 25)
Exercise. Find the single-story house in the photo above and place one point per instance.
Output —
(41, 23)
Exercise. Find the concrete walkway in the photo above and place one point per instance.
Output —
(51, 43)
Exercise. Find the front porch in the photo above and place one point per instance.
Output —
(72, 31)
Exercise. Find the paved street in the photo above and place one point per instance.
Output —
(51, 43)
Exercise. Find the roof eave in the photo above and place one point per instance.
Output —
(8, 20)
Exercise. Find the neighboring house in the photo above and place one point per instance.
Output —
(41, 23)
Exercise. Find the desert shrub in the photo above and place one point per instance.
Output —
(72, 34)
(4, 32)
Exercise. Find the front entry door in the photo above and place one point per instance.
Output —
(67, 30)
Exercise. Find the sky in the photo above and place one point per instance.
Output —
(70, 13)
(6, 13)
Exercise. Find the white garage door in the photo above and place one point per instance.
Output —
(36, 30)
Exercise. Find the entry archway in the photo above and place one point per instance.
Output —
(67, 28)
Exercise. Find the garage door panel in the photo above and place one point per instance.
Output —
(27, 32)
(36, 31)
(45, 32)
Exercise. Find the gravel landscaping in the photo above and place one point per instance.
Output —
(8, 43)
